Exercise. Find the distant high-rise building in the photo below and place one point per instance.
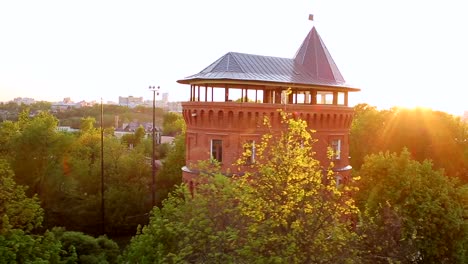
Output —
(24, 100)
(165, 98)
(130, 101)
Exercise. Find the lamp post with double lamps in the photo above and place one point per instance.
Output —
(153, 130)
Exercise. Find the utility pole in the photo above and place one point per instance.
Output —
(103, 219)
(153, 161)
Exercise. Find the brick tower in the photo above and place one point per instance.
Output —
(230, 97)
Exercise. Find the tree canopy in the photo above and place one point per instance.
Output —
(427, 134)
(411, 212)
(290, 211)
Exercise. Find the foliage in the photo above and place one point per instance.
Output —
(21, 215)
(202, 229)
(64, 169)
(127, 188)
(8, 131)
(170, 175)
(133, 140)
(298, 213)
(35, 150)
(87, 124)
(290, 211)
(87, 248)
(412, 213)
(62, 172)
(173, 124)
(10, 106)
(126, 175)
(427, 134)
(18, 247)
(41, 106)
(139, 134)
(56, 246)
(17, 211)
(162, 150)
(12, 109)
(365, 127)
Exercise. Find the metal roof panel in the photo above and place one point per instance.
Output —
(312, 65)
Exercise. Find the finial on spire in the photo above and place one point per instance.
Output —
(311, 17)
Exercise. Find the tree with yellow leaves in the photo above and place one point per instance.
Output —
(297, 212)
(288, 209)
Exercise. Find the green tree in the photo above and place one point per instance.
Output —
(203, 228)
(128, 140)
(289, 211)
(16, 246)
(365, 127)
(133, 140)
(41, 106)
(298, 213)
(87, 124)
(427, 134)
(85, 248)
(170, 175)
(16, 209)
(412, 213)
(139, 134)
(8, 131)
(64, 170)
(75, 200)
(127, 176)
(173, 124)
(21, 215)
(10, 106)
(35, 150)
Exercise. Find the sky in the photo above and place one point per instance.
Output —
(400, 53)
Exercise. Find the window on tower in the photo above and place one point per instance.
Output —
(249, 152)
(217, 150)
(336, 148)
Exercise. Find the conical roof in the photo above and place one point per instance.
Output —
(312, 65)
(314, 56)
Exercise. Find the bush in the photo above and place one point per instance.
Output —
(87, 248)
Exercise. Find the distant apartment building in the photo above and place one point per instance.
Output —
(130, 101)
(84, 103)
(165, 104)
(165, 98)
(66, 104)
(24, 100)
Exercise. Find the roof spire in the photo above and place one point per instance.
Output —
(314, 56)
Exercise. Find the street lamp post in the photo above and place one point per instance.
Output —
(153, 162)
